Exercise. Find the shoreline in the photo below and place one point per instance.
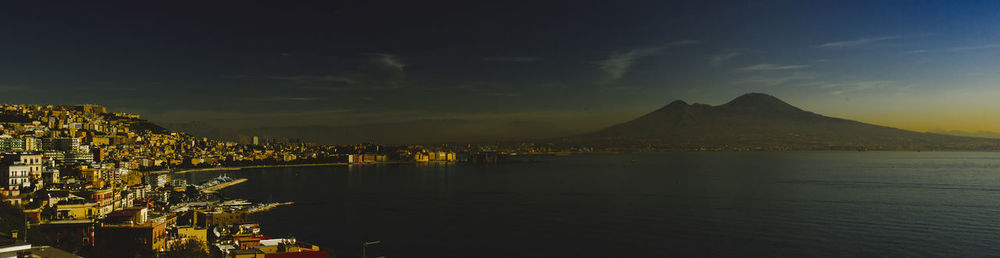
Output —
(259, 166)
(273, 166)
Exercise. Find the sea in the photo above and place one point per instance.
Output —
(820, 203)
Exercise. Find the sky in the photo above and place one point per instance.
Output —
(511, 69)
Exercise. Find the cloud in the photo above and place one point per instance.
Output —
(772, 67)
(618, 63)
(352, 82)
(725, 57)
(840, 88)
(288, 99)
(955, 49)
(388, 61)
(504, 94)
(855, 43)
(316, 79)
(373, 86)
(775, 80)
(9, 88)
(513, 59)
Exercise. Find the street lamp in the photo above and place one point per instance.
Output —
(364, 247)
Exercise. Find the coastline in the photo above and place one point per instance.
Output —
(274, 166)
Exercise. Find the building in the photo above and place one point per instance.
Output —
(76, 209)
(61, 143)
(68, 234)
(32, 160)
(434, 156)
(104, 199)
(366, 158)
(10, 143)
(17, 170)
(32, 144)
(131, 231)
(15, 176)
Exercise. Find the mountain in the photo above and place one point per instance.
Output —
(760, 121)
(981, 134)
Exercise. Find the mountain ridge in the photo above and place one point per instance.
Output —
(761, 121)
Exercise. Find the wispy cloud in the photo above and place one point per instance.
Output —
(287, 99)
(316, 79)
(956, 49)
(776, 80)
(361, 87)
(9, 88)
(332, 83)
(772, 67)
(513, 59)
(840, 88)
(856, 42)
(504, 94)
(724, 57)
(388, 61)
(618, 63)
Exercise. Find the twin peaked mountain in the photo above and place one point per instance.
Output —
(758, 121)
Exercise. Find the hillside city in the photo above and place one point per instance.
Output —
(82, 181)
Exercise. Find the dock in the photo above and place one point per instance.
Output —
(268, 206)
(214, 188)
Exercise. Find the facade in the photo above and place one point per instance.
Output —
(68, 234)
(366, 158)
(10, 143)
(77, 211)
(15, 177)
(434, 156)
(134, 237)
(17, 170)
(104, 199)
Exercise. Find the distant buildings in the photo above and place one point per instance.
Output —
(434, 156)
(365, 158)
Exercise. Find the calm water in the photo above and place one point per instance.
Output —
(807, 203)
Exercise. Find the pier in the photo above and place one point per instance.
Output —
(212, 189)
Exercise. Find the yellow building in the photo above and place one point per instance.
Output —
(100, 141)
(76, 211)
(194, 233)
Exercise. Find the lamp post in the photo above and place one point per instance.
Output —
(364, 247)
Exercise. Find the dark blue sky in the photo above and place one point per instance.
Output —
(570, 65)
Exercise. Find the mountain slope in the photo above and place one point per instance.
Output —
(760, 121)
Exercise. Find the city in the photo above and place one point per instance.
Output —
(97, 183)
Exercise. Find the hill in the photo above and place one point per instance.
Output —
(758, 121)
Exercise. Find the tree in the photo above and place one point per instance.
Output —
(190, 248)
(132, 178)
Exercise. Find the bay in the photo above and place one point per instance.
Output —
(646, 204)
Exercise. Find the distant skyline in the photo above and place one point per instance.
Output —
(524, 69)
